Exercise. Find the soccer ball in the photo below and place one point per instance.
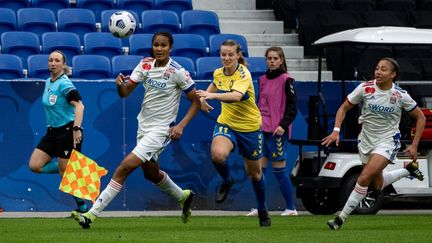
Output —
(122, 24)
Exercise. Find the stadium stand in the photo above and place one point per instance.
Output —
(124, 64)
(257, 66)
(178, 6)
(384, 18)
(67, 42)
(160, 20)
(424, 5)
(8, 21)
(192, 46)
(91, 67)
(37, 66)
(409, 69)
(187, 63)
(21, 44)
(215, 42)
(11, 67)
(102, 43)
(14, 4)
(356, 5)
(140, 44)
(205, 67)
(368, 59)
(76, 20)
(202, 22)
(97, 6)
(36, 20)
(422, 19)
(138, 6)
(53, 5)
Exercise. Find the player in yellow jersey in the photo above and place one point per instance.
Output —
(238, 125)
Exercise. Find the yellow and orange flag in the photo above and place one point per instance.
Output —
(82, 177)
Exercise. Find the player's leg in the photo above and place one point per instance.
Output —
(286, 187)
(40, 162)
(264, 165)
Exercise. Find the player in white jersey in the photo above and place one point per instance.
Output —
(379, 140)
(164, 80)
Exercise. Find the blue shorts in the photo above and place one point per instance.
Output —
(275, 148)
(248, 143)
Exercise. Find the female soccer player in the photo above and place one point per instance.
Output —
(163, 80)
(277, 104)
(64, 114)
(238, 125)
(379, 139)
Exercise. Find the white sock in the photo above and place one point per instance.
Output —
(356, 196)
(394, 175)
(170, 188)
(106, 197)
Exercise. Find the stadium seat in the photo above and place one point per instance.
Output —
(14, 4)
(356, 5)
(187, 64)
(102, 43)
(189, 45)
(97, 6)
(36, 20)
(139, 6)
(8, 21)
(202, 22)
(76, 20)
(91, 67)
(215, 42)
(160, 20)
(53, 5)
(140, 44)
(67, 42)
(178, 6)
(205, 66)
(37, 66)
(20, 43)
(124, 64)
(11, 67)
(257, 66)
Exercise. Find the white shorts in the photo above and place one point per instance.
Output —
(388, 150)
(150, 145)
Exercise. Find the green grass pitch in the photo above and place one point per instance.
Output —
(305, 228)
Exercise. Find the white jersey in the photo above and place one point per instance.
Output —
(381, 112)
(163, 87)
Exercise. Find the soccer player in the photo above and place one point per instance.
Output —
(163, 80)
(238, 125)
(277, 104)
(379, 140)
(64, 112)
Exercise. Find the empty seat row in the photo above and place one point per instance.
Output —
(81, 21)
(93, 67)
(24, 44)
(98, 6)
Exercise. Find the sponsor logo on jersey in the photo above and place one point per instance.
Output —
(369, 90)
(146, 66)
(155, 83)
(380, 108)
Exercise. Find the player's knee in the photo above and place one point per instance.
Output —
(218, 156)
(35, 168)
(364, 180)
(255, 175)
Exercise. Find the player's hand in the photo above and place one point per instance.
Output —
(279, 131)
(333, 137)
(176, 132)
(411, 151)
(121, 79)
(205, 106)
(205, 94)
(77, 138)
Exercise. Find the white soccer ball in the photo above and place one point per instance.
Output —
(122, 24)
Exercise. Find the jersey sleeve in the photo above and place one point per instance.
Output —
(66, 86)
(408, 103)
(184, 79)
(242, 85)
(139, 73)
(356, 96)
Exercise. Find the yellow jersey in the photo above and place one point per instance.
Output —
(243, 115)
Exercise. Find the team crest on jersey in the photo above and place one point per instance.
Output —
(393, 100)
(231, 83)
(168, 72)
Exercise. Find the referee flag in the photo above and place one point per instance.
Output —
(82, 177)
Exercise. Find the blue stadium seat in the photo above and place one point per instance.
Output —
(14, 4)
(91, 67)
(102, 43)
(202, 22)
(139, 6)
(124, 64)
(97, 6)
(160, 20)
(178, 6)
(67, 42)
(36, 20)
(257, 66)
(37, 66)
(8, 21)
(189, 45)
(205, 66)
(20, 43)
(53, 5)
(187, 64)
(76, 20)
(140, 44)
(215, 42)
(11, 67)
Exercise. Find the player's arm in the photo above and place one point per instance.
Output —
(177, 130)
(74, 98)
(204, 105)
(124, 89)
(420, 118)
(340, 117)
